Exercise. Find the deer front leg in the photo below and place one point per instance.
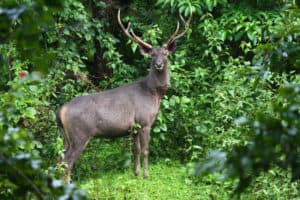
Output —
(137, 152)
(144, 139)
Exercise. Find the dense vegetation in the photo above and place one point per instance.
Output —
(229, 124)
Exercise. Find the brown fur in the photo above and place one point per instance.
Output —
(65, 127)
(62, 116)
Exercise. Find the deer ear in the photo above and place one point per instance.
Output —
(171, 47)
(144, 50)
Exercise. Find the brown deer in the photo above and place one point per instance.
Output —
(115, 112)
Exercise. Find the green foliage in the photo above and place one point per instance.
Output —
(212, 84)
(22, 171)
(234, 89)
(197, 6)
(274, 134)
(135, 129)
(23, 22)
(23, 174)
(282, 52)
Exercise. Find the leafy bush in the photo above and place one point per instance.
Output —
(274, 134)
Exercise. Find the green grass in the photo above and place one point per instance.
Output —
(166, 182)
(100, 171)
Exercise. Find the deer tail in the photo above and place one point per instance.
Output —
(62, 125)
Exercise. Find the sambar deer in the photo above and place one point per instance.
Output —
(114, 112)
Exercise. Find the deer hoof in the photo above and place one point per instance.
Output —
(137, 172)
(146, 175)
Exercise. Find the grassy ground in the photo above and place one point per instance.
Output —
(100, 171)
(166, 182)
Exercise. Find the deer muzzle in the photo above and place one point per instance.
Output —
(159, 67)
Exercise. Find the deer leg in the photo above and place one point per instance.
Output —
(137, 152)
(65, 160)
(73, 152)
(69, 164)
(144, 139)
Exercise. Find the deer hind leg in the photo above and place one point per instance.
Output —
(137, 152)
(76, 146)
(60, 159)
(63, 160)
(69, 164)
(144, 139)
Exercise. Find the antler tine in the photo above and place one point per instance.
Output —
(182, 19)
(174, 34)
(132, 37)
(139, 40)
(125, 30)
(186, 24)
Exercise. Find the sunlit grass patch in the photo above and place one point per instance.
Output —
(166, 182)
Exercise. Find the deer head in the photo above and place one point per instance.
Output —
(160, 54)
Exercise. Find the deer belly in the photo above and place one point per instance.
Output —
(114, 125)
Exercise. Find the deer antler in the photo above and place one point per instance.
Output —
(131, 35)
(186, 24)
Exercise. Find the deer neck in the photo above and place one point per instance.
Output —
(158, 81)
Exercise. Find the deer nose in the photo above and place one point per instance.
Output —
(159, 66)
